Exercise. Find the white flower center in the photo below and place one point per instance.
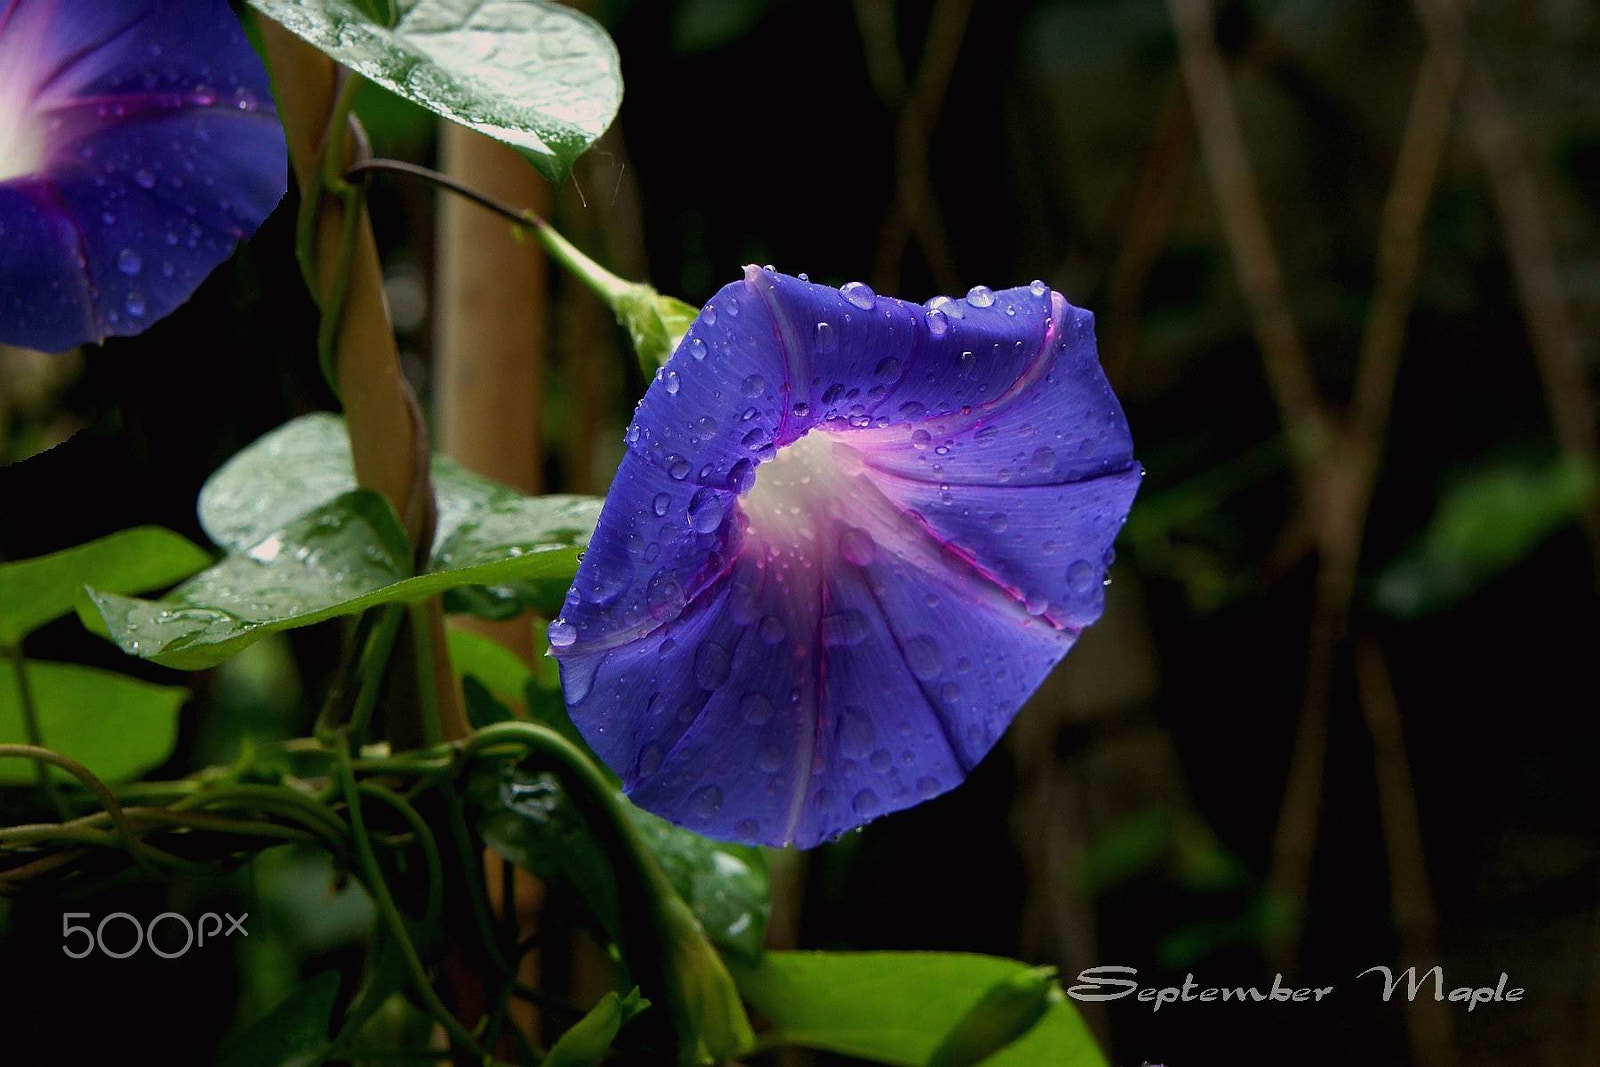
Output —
(22, 141)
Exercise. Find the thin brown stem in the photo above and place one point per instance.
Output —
(1410, 892)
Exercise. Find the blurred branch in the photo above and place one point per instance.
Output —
(1337, 460)
(1411, 896)
(1163, 176)
(915, 212)
(1288, 364)
(1531, 249)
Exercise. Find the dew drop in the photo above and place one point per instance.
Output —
(697, 347)
(920, 439)
(769, 758)
(999, 523)
(662, 503)
(857, 546)
(980, 296)
(650, 758)
(966, 363)
(1037, 287)
(754, 386)
(756, 709)
(671, 379)
(707, 802)
(710, 314)
(706, 509)
(843, 629)
(711, 665)
(742, 476)
(827, 339)
(1043, 460)
(860, 295)
(562, 634)
(678, 467)
(129, 262)
(1080, 576)
(938, 322)
(747, 830)
(145, 179)
(865, 804)
(135, 304)
(888, 369)
(922, 656)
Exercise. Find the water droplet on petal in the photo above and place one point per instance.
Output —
(1080, 576)
(135, 304)
(671, 378)
(865, 804)
(707, 802)
(1043, 460)
(1037, 287)
(129, 262)
(769, 758)
(756, 709)
(772, 631)
(754, 385)
(922, 656)
(661, 503)
(706, 509)
(562, 633)
(980, 296)
(860, 295)
(711, 665)
(938, 322)
(742, 476)
(827, 338)
(857, 546)
(697, 347)
(710, 314)
(650, 758)
(678, 467)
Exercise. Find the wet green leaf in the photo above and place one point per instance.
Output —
(118, 727)
(305, 463)
(587, 1042)
(897, 1007)
(36, 591)
(1010, 1009)
(1484, 527)
(539, 76)
(339, 559)
(725, 885)
(295, 1032)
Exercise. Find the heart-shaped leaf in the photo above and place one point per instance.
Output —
(338, 559)
(118, 727)
(37, 591)
(539, 76)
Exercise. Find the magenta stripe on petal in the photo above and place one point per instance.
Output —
(850, 536)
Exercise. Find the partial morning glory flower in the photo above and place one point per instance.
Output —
(138, 146)
(849, 537)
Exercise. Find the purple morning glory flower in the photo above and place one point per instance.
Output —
(138, 145)
(849, 537)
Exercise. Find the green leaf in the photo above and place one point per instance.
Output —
(295, 1032)
(118, 727)
(306, 463)
(1011, 1008)
(499, 669)
(539, 76)
(1484, 527)
(339, 559)
(37, 591)
(725, 885)
(528, 816)
(897, 1007)
(587, 1042)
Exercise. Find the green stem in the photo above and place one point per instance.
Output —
(374, 665)
(372, 875)
(602, 282)
(425, 838)
(141, 853)
(32, 730)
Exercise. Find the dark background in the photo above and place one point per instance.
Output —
(1130, 816)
